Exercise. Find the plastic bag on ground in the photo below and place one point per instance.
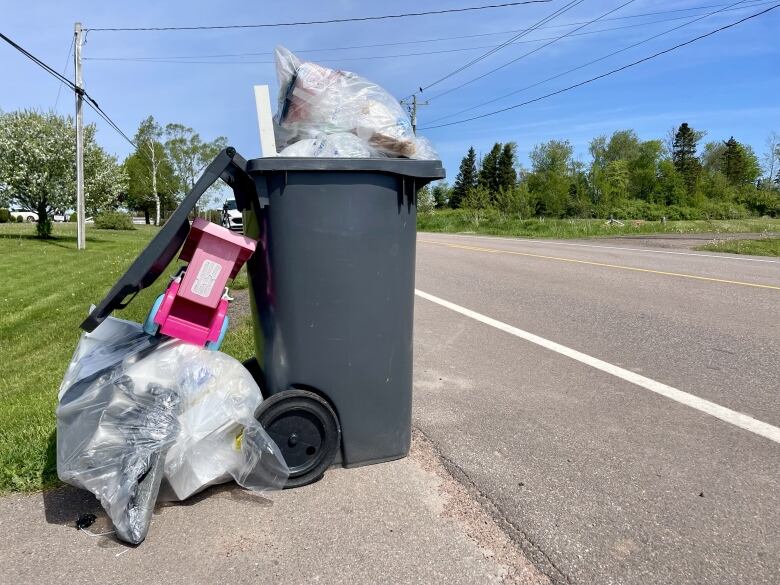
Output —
(135, 412)
(316, 100)
(219, 438)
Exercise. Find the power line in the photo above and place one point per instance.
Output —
(187, 60)
(72, 86)
(64, 69)
(608, 73)
(602, 58)
(94, 105)
(450, 38)
(330, 21)
(521, 34)
(531, 52)
(38, 62)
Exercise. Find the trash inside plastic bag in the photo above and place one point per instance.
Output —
(340, 144)
(218, 437)
(135, 413)
(315, 100)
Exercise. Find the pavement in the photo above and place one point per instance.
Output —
(407, 521)
(598, 411)
(607, 480)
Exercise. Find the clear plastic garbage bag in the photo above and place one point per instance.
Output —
(135, 413)
(219, 437)
(315, 100)
(337, 145)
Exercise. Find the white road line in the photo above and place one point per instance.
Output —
(645, 250)
(733, 417)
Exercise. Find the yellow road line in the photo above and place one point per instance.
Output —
(602, 264)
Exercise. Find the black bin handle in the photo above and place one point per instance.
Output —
(144, 271)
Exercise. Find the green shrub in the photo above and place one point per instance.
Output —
(762, 202)
(43, 228)
(5, 216)
(19, 219)
(638, 209)
(114, 220)
(73, 217)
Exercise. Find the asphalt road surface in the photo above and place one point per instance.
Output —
(616, 406)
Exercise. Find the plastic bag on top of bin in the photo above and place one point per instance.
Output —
(135, 413)
(316, 101)
(337, 145)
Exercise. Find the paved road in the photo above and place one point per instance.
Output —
(598, 476)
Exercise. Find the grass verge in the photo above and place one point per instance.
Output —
(45, 291)
(761, 247)
(494, 223)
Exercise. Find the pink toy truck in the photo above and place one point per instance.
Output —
(194, 307)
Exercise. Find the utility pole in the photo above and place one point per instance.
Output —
(81, 242)
(412, 106)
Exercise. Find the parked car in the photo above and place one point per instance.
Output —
(232, 218)
(28, 216)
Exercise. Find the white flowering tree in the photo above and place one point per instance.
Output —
(38, 166)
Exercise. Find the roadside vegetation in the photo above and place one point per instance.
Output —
(38, 160)
(760, 247)
(633, 181)
(493, 222)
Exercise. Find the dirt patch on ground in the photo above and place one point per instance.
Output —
(477, 522)
(239, 306)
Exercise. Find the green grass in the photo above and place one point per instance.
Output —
(47, 287)
(45, 291)
(762, 247)
(493, 223)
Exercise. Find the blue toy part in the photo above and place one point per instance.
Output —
(150, 326)
(214, 345)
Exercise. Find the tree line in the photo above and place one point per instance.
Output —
(38, 167)
(674, 178)
(165, 165)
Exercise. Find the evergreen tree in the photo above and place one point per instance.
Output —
(739, 164)
(488, 171)
(466, 179)
(684, 155)
(507, 176)
(733, 163)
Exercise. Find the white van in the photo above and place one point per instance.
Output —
(231, 216)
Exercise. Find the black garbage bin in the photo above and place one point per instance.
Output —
(332, 296)
(332, 288)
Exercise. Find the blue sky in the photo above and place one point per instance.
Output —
(726, 84)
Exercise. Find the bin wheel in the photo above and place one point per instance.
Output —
(306, 430)
(150, 326)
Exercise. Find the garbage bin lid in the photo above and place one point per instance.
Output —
(431, 170)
